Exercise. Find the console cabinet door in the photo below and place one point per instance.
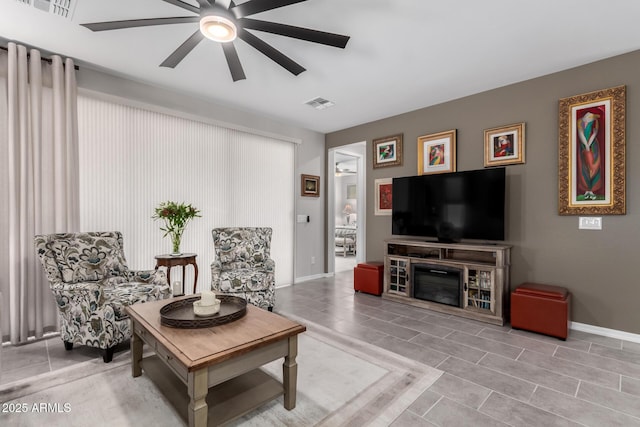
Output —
(479, 289)
(398, 276)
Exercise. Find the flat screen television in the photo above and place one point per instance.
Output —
(450, 206)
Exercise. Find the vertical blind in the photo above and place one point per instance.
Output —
(132, 159)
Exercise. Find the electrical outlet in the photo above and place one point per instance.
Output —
(590, 223)
(313, 260)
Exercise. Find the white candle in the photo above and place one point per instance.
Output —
(208, 298)
(177, 288)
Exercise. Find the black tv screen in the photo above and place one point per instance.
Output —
(450, 206)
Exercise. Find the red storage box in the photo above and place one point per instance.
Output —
(541, 308)
(367, 277)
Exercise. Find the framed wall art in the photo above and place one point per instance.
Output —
(384, 196)
(310, 185)
(504, 145)
(437, 153)
(591, 163)
(387, 151)
(351, 191)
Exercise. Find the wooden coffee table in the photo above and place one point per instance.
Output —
(215, 371)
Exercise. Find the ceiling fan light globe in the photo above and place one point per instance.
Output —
(218, 28)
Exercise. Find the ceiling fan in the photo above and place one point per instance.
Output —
(223, 21)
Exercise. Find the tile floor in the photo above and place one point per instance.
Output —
(494, 376)
(39, 357)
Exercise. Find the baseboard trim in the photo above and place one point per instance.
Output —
(313, 277)
(605, 332)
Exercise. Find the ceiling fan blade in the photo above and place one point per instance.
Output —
(225, 3)
(183, 50)
(183, 5)
(117, 25)
(274, 54)
(237, 73)
(206, 3)
(257, 6)
(307, 34)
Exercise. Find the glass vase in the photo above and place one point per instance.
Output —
(175, 242)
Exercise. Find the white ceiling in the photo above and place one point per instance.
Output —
(403, 54)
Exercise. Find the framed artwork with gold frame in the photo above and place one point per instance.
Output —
(591, 153)
(437, 153)
(504, 145)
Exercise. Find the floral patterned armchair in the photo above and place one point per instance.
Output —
(243, 266)
(92, 284)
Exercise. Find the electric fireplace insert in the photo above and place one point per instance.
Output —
(437, 283)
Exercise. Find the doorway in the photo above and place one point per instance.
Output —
(346, 207)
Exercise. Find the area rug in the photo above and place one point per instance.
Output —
(341, 382)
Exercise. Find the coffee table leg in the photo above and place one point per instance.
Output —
(290, 374)
(136, 352)
(198, 389)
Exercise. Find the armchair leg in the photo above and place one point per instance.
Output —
(107, 354)
(68, 345)
(270, 308)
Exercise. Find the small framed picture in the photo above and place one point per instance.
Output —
(387, 151)
(437, 153)
(351, 191)
(504, 145)
(310, 186)
(384, 196)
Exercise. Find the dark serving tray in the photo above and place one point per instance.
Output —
(179, 314)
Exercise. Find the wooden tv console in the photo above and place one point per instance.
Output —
(482, 269)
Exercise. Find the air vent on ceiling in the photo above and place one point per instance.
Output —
(63, 8)
(320, 103)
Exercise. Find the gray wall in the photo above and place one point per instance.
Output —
(310, 157)
(598, 267)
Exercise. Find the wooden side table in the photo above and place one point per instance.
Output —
(169, 261)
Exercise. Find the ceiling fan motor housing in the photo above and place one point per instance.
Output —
(218, 24)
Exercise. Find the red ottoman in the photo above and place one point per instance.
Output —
(541, 308)
(367, 277)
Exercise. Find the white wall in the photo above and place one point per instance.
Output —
(309, 242)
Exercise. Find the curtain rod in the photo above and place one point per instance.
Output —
(75, 67)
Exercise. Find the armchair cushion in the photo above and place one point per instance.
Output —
(137, 286)
(129, 293)
(242, 245)
(88, 258)
(245, 279)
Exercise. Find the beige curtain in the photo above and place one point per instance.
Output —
(39, 148)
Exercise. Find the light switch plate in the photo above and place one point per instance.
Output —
(590, 223)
